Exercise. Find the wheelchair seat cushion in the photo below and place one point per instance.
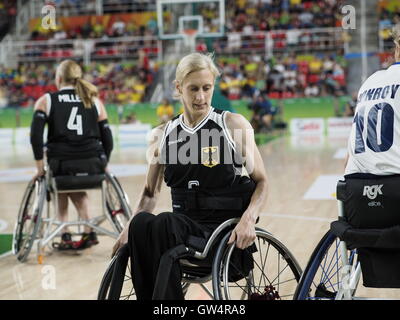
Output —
(79, 183)
(371, 223)
(77, 167)
(388, 238)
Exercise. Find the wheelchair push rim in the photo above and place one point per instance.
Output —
(117, 203)
(29, 218)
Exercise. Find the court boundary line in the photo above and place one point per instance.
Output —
(290, 216)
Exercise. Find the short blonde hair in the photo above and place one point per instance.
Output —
(194, 62)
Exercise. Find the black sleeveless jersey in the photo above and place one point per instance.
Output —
(203, 156)
(73, 130)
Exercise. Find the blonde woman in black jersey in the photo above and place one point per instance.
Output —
(199, 153)
(78, 140)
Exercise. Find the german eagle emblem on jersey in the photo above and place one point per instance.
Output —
(210, 156)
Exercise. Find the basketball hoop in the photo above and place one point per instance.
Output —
(189, 38)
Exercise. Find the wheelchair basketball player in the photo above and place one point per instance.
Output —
(372, 173)
(79, 140)
(200, 155)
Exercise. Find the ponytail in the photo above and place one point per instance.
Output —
(71, 73)
(86, 92)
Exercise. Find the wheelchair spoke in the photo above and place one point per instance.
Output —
(329, 267)
(277, 277)
(265, 259)
(238, 285)
(326, 274)
(335, 265)
(263, 273)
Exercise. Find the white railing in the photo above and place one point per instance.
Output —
(297, 40)
(83, 49)
(267, 43)
(5, 50)
(110, 6)
(278, 41)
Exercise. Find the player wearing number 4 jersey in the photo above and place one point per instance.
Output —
(374, 144)
(79, 140)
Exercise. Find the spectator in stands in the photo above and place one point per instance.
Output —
(118, 28)
(263, 113)
(165, 111)
(311, 90)
(351, 105)
(130, 119)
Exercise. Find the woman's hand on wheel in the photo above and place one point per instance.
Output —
(244, 234)
(39, 173)
(122, 239)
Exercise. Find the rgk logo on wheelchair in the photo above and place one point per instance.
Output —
(372, 191)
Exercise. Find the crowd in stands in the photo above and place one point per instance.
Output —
(286, 76)
(118, 83)
(98, 29)
(389, 15)
(99, 36)
(78, 7)
(266, 15)
(283, 75)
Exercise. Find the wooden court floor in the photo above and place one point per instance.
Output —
(292, 165)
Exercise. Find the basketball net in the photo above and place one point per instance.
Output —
(189, 39)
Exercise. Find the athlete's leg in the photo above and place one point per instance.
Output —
(81, 203)
(150, 236)
(63, 209)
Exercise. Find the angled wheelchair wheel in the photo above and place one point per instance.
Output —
(322, 278)
(29, 218)
(264, 271)
(117, 203)
(117, 282)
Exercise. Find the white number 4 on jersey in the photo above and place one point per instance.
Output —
(75, 121)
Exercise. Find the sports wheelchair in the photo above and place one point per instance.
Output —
(42, 194)
(271, 272)
(364, 241)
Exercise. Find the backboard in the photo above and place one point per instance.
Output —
(205, 16)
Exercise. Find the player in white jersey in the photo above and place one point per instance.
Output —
(374, 143)
(370, 192)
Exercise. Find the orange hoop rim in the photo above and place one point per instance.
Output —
(190, 32)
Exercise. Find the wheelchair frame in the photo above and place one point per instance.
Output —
(47, 228)
(114, 272)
